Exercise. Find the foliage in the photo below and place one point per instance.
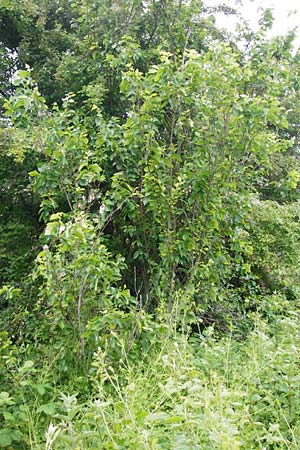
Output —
(274, 230)
(195, 395)
(169, 185)
(185, 392)
(149, 219)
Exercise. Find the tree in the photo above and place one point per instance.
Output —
(159, 154)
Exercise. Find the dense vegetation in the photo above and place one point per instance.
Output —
(149, 228)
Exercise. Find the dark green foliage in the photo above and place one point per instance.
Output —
(19, 223)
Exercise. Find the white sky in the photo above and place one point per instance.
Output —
(251, 11)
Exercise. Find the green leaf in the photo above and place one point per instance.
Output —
(5, 438)
(49, 409)
(5, 399)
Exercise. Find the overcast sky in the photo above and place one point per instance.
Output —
(250, 10)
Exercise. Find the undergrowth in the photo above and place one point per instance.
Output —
(187, 392)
